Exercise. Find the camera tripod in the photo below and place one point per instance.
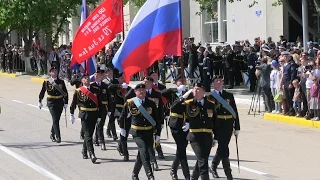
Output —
(255, 102)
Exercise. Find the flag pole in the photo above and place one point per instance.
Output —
(122, 18)
(181, 57)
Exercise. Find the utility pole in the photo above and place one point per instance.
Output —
(305, 24)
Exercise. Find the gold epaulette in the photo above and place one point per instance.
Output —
(78, 89)
(91, 83)
(188, 101)
(129, 101)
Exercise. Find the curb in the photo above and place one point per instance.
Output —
(39, 80)
(292, 120)
(8, 75)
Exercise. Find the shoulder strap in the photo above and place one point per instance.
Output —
(89, 94)
(224, 103)
(143, 111)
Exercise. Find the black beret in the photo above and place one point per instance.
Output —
(53, 68)
(152, 72)
(99, 70)
(84, 75)
(216, 77)
(148, 78)
(200, 85)
(138, 86)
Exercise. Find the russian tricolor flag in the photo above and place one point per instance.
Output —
(155, 31)
(89, 65)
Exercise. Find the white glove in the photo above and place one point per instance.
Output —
(109, 113)
(185, 96)
(124, 85)
(185, 128)
(40, 105)
(65, 106)
(162, 125)
(215, 142)
(250, 66)
(236, 133)
(157, 139)
(72, 119)
(123, 132)
(51, 80)
(167, 118)
(181, 88)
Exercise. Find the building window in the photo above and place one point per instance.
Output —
(211, 25)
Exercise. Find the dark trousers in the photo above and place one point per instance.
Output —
(123, 141)
(180, 138)
(55, 129)
(230, 77)
(225, 133)
(88, 125)
(200, 72)
(111, 128)
(99, 127)
(144, 141)
(237, 73)
(202, 147)
(252, 79)
(217, 68)
(288, 92)
(267, 96)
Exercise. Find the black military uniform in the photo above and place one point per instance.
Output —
(217, 62)
(226, 125)
(238, 59)
(117, 96)
(142, 131)
(56, 98)
(159, 87)
(89, 113)
(176, 122)
(200, 116)
(229, 67)
(103, 110)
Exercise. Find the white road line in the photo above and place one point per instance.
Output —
(17, 101)
(189, 152)
(30, 164)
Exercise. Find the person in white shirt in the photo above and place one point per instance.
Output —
(275, 84)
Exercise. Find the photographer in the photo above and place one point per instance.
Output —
(263, 73)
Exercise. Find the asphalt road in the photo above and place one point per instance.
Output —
(268, 150)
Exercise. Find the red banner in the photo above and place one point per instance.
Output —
(98, 30)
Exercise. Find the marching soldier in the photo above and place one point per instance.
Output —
(145, 117)
(117, 94)
(103, 109)
(176, 122)
(200, 122)
(159, 87)
(226, 125)
(57, 99)
(87, 98)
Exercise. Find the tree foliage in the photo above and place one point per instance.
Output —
(206, 5)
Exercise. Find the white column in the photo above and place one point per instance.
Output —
(305, 25)
(221, 16)
(14, 37)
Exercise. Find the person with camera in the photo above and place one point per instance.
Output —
(263, 72)
(252, 59)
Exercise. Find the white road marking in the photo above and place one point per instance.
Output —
(188, 151)
(30, 164)
(17, 101)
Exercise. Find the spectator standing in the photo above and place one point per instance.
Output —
(263, 72)
(297, 97)
(275, 84)
(314, 98)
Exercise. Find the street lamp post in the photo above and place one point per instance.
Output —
(305, 24)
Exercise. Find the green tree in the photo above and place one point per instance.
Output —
(205, 5)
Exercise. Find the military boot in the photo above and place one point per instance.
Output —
(84, 154)
(119, 148)
(160, 152)
(93, 157)
(214, 165)
(226, 167)
(53, 139)
(125, 151)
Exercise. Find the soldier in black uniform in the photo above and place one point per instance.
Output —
(142, 128)
(117, 94)
(226, 125)
(217, 62)
(159, 87)
(103, 109)
(229, 66)
(238, 59)
(87, 98)
(57, 99)
(200, 122)
(176, 122)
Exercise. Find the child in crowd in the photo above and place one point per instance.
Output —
(297, 99)
(275, 84)
(314, 98)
